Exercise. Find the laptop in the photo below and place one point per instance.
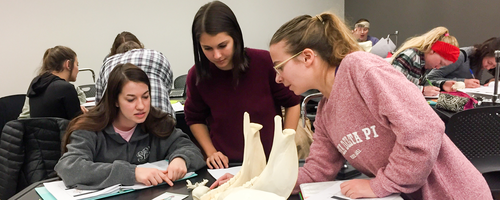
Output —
(178, 92)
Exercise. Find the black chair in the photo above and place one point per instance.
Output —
(10, 108)
(88, 89)
(476, 132)
(29, 151)
(180, 81)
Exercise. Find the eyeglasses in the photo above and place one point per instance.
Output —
(279, 66)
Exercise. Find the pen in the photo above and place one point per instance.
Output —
(472, 74)
(429, 82)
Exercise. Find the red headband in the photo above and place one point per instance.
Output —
(447, 51)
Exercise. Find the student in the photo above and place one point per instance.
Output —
(50, 93)
(121, 38)
(228, 80)
(361, 30)
(121, 132)
(154, 63)
(385, 130)
(418, 55)
(471, 65)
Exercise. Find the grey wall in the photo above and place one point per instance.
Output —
(29, 27)
(470, 21)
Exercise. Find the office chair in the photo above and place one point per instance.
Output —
(179, 87)
(29, 153)
(89, 89)
(10, 108)
(476, 133)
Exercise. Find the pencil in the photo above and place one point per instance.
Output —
(429, 82)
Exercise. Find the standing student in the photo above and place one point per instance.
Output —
(418, 55)
(228, 80)
(121, 132)
(121, 38)
(50, 93)
(472, 65)
(153, 62)
(361, 30)
(401, 145)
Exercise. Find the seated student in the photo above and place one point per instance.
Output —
(471, 65)
(402, 148)
(154, 63)
(228, 80)
(418, 55)
(361, 30)
(50, 94)
(121, 132)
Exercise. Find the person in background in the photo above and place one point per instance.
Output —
(228, 80)
(154, 63)
(418, 55)
(402, 148)
(121, 38)
(120, 133)
(50, 93)
(472, 65)
(361, 30)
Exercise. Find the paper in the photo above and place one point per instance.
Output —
(482, 90)
(432, 97)
(178, 106)
(332, 192)
(170, 196)
(382, 47)
(217, 173)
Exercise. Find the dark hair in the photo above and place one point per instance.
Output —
(122, 38)
(54, 58)
(325, 33)
(127, 46)
(213, 18)
(485, 49)
(158, 123)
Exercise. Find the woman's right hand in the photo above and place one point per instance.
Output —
(431, 90)
(217, 160)
(471, 83)
(223, 179)
(151, 176)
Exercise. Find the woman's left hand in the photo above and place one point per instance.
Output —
(447, 86)
(176, 169)
(357, 188)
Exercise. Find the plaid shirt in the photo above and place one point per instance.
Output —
(411, 63)
(156, 66)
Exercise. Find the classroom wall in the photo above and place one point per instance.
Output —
(28, 28)
(471, 22)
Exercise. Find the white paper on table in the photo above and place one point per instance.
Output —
(484, 90)
(170, 196)
(217, 173)
(383, 47)
(59, 191)
(178, 106)
(334, 193)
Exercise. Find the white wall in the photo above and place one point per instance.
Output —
(29, 27)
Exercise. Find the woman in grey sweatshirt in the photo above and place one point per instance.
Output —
(105, 146)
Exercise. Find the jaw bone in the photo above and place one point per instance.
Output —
(254, 160)
(276, 180)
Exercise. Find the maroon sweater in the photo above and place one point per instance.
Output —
(220, 104)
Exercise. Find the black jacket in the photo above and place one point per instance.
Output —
(29, 150)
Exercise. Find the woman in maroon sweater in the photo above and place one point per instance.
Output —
(228, 80)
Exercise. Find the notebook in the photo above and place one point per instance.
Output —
(330, 190)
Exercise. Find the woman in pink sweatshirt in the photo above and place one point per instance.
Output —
(371, 116)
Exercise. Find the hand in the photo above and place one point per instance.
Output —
(84, 110)
(357, 188)
(223, 179)
(471, 83)
(151, 176)
(491, 80)
(217, 160)
(176, 169)
(431, 90)
(447, 86)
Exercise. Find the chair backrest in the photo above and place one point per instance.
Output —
(476, 132)
(180, 81)
(30, 153)
(10, 108)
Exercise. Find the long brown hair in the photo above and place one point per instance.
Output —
(325, 33)
(54, 58)
(158, 123)
(122, 38)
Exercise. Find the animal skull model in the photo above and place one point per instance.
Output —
(256, 180)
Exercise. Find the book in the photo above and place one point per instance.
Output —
(56, 190)
(331, 190)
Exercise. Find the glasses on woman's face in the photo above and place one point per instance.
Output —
(279, 66)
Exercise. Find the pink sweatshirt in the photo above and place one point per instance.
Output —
(380, 122)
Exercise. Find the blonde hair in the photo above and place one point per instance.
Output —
(424, 42)
(325, 33)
